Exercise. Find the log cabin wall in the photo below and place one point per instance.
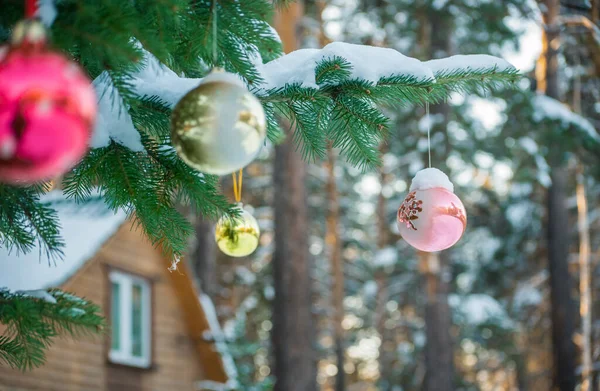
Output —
(84, 365)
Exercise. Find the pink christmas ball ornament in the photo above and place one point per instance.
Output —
(431, 218)
(47, 109)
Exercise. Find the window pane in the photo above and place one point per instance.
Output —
(115, 316)
(136, 320)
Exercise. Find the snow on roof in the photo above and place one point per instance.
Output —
(221, 346)
(549, 108)
(430, 178)
(84, 229)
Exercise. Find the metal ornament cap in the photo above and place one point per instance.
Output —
(219, 127)
(29, 32)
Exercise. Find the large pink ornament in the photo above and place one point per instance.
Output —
(47, 109)
(431, 218)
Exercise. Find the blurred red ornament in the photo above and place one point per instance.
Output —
(47, 108)
(431, 218)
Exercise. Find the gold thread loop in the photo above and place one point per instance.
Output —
(237, 185)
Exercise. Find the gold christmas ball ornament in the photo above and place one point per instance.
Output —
(218, 127)
(237, 237)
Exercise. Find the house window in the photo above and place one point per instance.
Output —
(130, 320)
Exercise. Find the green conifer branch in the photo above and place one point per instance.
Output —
(24, 221)
(274, 132)
(474, 80)
(357, 128)
(110, 36)
(32, 324)
(333, 71)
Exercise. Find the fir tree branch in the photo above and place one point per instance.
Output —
(32, 324)
(23, 221)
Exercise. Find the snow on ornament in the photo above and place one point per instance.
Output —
(219, 127)
(431, 218)
(237, 237)
(47, 108)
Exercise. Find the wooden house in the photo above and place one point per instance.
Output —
(161, 326)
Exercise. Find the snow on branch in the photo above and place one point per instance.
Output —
(546, 108)
(368, 63)
(113, 121)
(46, 12)
(335, 64)
(479, 308)
(38, 294)
(372, 64)
(385, 257)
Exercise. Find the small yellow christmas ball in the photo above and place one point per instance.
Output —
(237, 237)
(218, 127)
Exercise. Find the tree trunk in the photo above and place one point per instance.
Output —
(383, 296)
(332, 239)
(585, 303)
(521, 363)
(382, 281)
(585, 274)
(562, 313)
(294, 367)
(560, 283)
(439, 355)
(204, 257)
(292, 318)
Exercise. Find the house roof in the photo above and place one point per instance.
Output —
(202, 324)
(84, 229)
(216, 333)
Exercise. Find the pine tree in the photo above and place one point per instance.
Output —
(119, 43)
(501, 272)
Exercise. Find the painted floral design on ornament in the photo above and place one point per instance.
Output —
(409, 209)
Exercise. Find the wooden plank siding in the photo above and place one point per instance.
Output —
(179, 360)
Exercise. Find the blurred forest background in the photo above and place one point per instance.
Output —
(511, 306)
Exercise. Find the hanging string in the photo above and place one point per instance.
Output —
(237, 185)
(30, 8)
(214, 33)
(428, 131)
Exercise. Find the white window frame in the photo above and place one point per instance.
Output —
(124, 354)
